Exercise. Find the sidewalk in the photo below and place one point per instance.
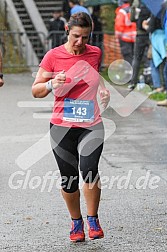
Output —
(133, 170)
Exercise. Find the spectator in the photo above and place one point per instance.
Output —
(157, 35)
(125, 31)
(76, 7)
(164, 102)
(157, 87)
(66, 9)
(1, 74)
(164, 16)
(139, 13)
(56, 28)
(164, 25)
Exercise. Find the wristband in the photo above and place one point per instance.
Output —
(49, 86)
(1, 75)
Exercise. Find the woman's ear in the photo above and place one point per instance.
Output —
(67, 29)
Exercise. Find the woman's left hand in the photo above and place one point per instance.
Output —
(105, 97)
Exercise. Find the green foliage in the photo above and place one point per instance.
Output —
(108, 16)
(104, 74)
(15, 63)
(158, 96)
(146, 90)
(11, 55)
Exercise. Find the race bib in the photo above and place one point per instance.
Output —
(78, 110)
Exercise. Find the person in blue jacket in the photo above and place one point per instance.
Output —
(76, 7)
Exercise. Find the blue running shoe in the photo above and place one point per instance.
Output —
(94, 228)
(77, 231)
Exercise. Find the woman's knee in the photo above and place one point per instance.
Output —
(91, 176)
(70, 184)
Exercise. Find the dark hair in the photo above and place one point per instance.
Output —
(57, 11)
(81, 19)
(74, 1)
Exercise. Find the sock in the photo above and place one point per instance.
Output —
(80, 218)
(96, 216)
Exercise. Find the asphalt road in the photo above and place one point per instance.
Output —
(33, 216)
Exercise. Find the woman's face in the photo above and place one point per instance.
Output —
(78, 37)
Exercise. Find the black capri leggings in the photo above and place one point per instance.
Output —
(74, 148)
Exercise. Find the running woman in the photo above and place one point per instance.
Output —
(70, 71)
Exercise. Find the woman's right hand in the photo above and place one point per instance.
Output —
(59, 80)
(1, 82)
(39, 87)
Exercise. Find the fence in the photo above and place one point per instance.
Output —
(20, 49)
(23, 50)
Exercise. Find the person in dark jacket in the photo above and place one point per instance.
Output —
(164, 26)
(139, 13)
(56, 27)
(66, 9)
(97, 36)
(1, 75)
